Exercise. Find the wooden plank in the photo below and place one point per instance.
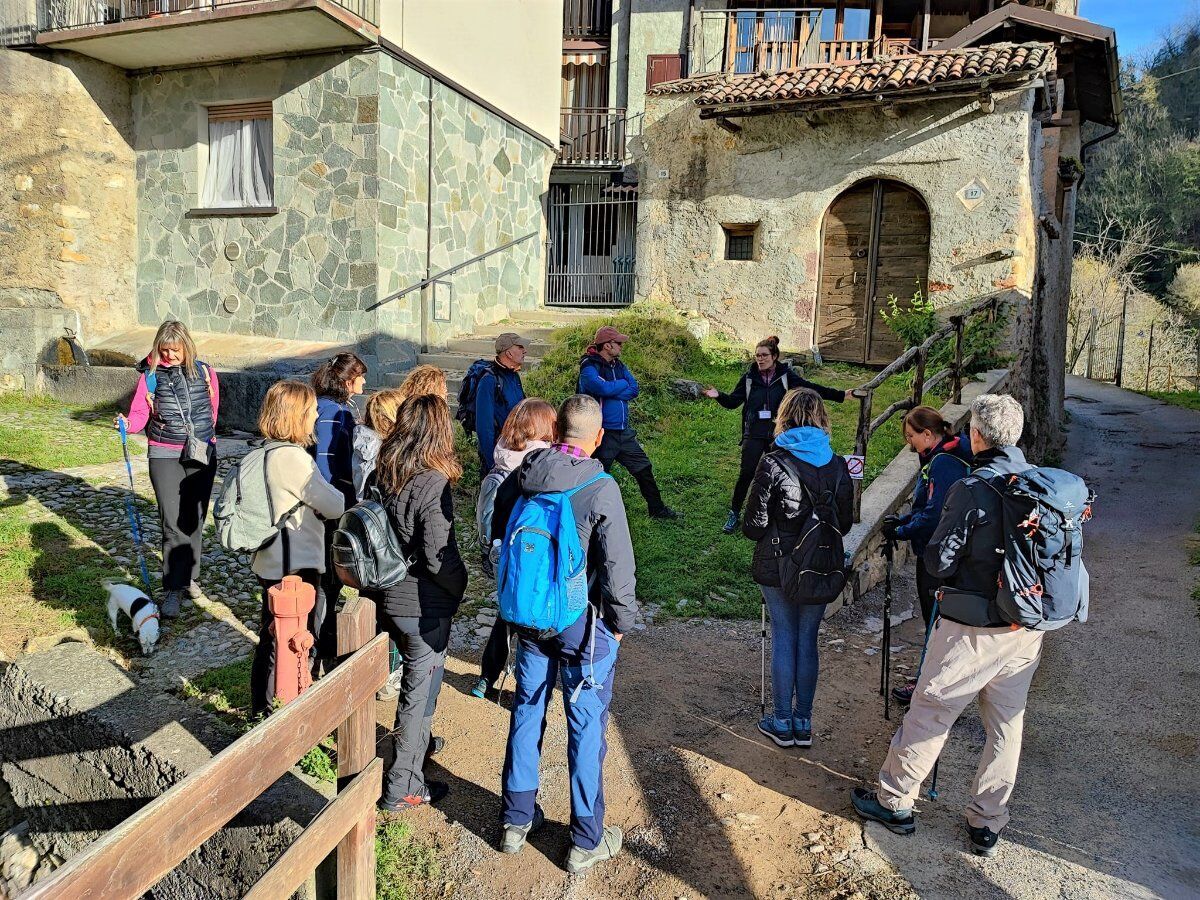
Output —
(356, 750)
(321, 835)
(118, 865)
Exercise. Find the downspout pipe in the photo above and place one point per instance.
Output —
(1093, 142)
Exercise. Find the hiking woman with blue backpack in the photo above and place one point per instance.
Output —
(176, 401)
(415, 475)
(944, 458)
(800, 505)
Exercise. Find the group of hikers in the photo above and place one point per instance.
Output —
(554, 537)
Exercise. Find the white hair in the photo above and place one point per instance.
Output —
(998, 418)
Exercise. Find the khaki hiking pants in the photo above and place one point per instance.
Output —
(963, 662)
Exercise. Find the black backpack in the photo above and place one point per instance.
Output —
(366, 551)
(1043, 582)
(470, 387)
(815, 570)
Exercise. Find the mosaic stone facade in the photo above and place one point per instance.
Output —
(352, 184)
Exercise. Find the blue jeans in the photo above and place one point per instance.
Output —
(540, 665)
(794, 660)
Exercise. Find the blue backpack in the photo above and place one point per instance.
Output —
(542, 576)
(468, 391)
(1043, 582)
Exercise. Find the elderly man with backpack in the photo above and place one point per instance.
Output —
(1008, 551)
(566, 584)
(490, 390)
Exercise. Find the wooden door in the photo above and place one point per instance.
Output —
(875, 242)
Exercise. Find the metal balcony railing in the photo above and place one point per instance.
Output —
(587, 19)
(55, 15)
(593, 137)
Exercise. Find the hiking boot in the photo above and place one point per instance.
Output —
(172, 600)
(903, 694)
(194, 591)
(731, 523)
(868, 806)
(664, 512)
(514, 837)
(578, 860)
(435, 791)
(436, 746)
(801, 732)
(480, 689)
(983, 841)
(778, 730)
(391, 688)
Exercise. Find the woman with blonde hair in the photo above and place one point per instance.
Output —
(531, 425)
(415, 474)
(176, 402)
(782, 499)
(379, 418)
(423, 380)
(286, 422)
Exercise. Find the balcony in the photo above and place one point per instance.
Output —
(593, 138)
(145, 34)
(741, 41)
(587, 20)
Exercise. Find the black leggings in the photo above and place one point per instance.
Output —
(752, 451)
(495, 654)
(926, 586)
(182, 493)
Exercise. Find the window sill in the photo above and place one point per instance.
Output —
(231, 212)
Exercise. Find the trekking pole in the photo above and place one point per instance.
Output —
(933, 614)
(762, 669)
(131, 510)
(885, 673)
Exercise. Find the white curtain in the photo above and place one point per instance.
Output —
(240, 166)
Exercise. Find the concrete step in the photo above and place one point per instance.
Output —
(482, 345)
(460, 362)
(555, 316)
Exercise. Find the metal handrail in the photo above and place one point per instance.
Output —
(450, 271)
(918, 356)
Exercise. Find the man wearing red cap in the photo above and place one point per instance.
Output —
(602, 375)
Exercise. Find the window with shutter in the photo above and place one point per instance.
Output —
(662, 67)
(241, 169)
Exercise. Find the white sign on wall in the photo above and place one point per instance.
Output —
(973, 193)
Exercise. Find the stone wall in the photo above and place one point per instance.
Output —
(783, 172)
(67, 188)
(352, 186)
(308, 271)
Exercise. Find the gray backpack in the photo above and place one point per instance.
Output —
(243, 516)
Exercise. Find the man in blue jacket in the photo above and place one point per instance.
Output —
(603, 376)
(498, 391)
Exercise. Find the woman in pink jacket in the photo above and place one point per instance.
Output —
(176, 401)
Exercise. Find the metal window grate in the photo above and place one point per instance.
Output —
(739, 241)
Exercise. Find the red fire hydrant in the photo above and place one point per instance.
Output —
(290, 602)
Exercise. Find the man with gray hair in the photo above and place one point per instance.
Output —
(971, 652)
(583, 656)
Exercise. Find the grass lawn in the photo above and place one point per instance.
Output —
(1186, 399)
(43, 434)
(50, 575)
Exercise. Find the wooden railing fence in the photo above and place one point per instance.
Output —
(917, 358)
(134, 856)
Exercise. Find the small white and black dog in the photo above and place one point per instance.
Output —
(142, 613)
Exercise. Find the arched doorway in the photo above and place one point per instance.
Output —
(874, 243)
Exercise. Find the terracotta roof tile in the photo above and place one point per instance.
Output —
(865, 77)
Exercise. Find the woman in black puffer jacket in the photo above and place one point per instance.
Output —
(415, 472)
(803, 467)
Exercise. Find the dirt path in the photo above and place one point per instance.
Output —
(1106, 801)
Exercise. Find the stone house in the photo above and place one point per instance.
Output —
(294, 176)
(798, 176)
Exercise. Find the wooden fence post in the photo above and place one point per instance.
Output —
(958, 357)
(356, 748)
(1091, 343)
(1121, 340)
(918, 386)
(861, 437)
(1149, 357)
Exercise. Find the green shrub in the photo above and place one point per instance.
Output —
(913, 323)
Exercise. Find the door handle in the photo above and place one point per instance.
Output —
(860, 253)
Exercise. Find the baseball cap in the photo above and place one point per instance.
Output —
(510, 339)
(608, 333)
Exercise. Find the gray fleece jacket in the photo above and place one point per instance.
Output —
(599, 518)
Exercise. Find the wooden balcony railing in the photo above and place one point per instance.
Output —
(55, 15)
(593, 137)
(129, 860)
(587, 19)
(846, 51)
(755, 40)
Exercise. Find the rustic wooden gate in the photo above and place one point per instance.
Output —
(875, 243)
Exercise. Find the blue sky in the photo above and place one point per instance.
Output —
(1139, 23)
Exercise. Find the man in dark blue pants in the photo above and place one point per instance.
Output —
(582, 657)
